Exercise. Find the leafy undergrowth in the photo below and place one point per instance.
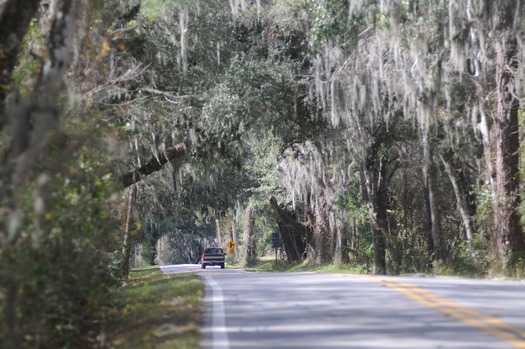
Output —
(158, 311)
(269, 264)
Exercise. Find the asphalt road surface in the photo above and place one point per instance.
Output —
(247, 310)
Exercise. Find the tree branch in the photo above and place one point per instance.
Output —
(155, 164)
(282, 215)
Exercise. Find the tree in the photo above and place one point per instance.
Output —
(249, 238)
(504, 18)
(247, 93)
(295, 235)
(365, 69)
(56, 197)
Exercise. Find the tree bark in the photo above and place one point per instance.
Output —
(509, 234)
(295, 235)
(218, 235)
(461, 203)
(14, 24)
(321, 233)
(378, 214)
(12, 336)
(377, 180)
(249, 238)
(127, 241)
(41, 112)
(341, 255)
(430, 187)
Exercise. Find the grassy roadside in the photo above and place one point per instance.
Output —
(158, 311)
(269, 264)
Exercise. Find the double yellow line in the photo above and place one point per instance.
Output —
(489, 324)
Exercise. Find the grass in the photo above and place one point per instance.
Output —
(153, 310)
(269, 264)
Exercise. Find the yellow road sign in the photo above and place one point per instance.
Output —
(231, 244)
(232, 251)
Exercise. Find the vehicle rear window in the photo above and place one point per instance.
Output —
(213, 250)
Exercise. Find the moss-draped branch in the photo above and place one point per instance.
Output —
(155, 164)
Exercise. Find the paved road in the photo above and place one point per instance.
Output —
(305, 310)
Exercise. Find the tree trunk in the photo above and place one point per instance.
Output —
(12, 337)
(354, 244)
(321, 233)
(295, 235)
(14, 24)
(429, 175)
(378, 214)
(377, 180)
(249, 238)
(509, 235)
(461, 203)
(26, 143)
(153, 255)
(33, 121)
(127, 243)
(218, 234)
(341, 244)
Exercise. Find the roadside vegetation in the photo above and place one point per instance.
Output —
(270, 264)
(154, 310)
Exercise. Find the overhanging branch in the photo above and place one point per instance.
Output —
(154, 164)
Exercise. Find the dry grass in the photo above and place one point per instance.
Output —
(154, 310)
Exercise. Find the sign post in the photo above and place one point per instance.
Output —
(231, 245)
(276, 243)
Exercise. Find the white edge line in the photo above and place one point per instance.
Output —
(218, 320)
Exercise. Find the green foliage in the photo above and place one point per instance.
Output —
(253, 95)
(329, 20)
(152, 9)
(269, 264)
(516, 264)
(355, 205)
(59, 265)
(485, 213)
(359, 228)
(460, 263)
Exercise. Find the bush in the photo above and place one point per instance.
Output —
(56, 267)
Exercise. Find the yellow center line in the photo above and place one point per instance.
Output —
(475, 313)
(411, 293)
(472, 317)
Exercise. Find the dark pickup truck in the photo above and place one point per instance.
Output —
(212, 256)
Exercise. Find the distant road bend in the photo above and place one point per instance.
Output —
(308, 310)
